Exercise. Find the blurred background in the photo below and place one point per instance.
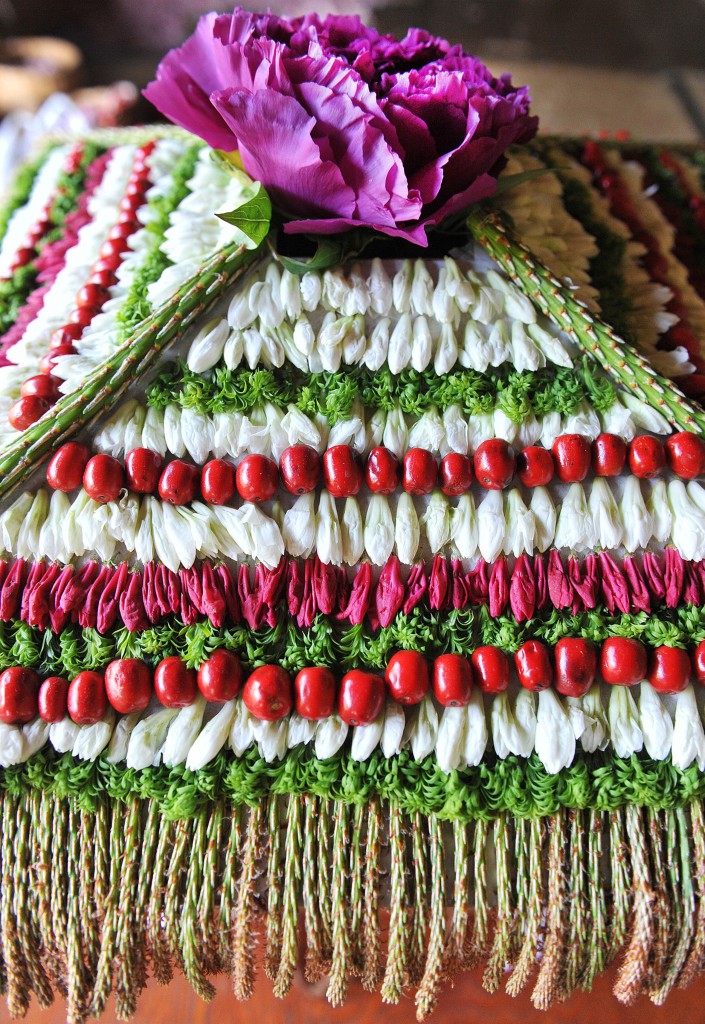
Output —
(593, 65)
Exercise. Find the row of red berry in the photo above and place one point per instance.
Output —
(269, 693)
(257, 478)
(27, 251)
(40, 392)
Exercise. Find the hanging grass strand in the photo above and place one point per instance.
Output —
(78, 981)
(145, 877)
(633, 971)
(340, 964)
(242, 954)
(174, 891)
(395, 974)
(620, 884)
(290, 913)
(207, 924)
(419, 903)
(324, 861)
(370, 930)
(458, 934)
(189, 937)
(597, 950)
(696, 958)
(161, 962)
(313, 968)
(104, 973)
(530, 921)
(499, 952)
(679, 861)
(355, 876)
(548, 983)
(275, 872)
(427, 995)
(86, 890)
(15, 965)
(478, 942)
(27, 928)
(578, 922)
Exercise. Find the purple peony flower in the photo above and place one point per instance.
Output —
(345, 127)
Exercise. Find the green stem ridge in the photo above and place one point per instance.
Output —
(597, 339)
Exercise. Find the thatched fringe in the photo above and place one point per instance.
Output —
(94, 903)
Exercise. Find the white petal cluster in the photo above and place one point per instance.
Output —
(26, 216)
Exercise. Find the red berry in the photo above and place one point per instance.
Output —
(26, 411)
(87, 700)
(535, 466)
(257, 478)
(48, 361)
(342, 474)
(407, 677)
(361, 697)
(382, 471)
(456, 474)
(113, 247)
(314, 690)
(127, 219)
(174, 683)
(82, 316)
(92, 295)
(102, 278)
(43, 386)
(178, 483)
(268, 693)
(109, 263)
(138, 185)
(128, 685)
(218, 481)
(220, 676)
(18, 695)
(495, 464)
(622, 661)
(53, 699)
(609, 454)
(491, 667)
(142, 468)
(686, 454)
(572, 456)
(67, 466)
(300, 468)
(103, 478)
(699, 662)
(669, 671)
(65, 335)
(576, 666)
(120, 233)
(647, 457)
(533, 666)
(419, 471)
(452, 680)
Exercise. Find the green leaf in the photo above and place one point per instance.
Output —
(252, 218)
(512, 180)
(327, 254)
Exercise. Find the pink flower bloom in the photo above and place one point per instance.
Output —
(345, 128)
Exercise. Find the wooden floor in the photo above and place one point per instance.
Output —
(467, 1003)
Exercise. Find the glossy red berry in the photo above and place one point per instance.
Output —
(82, 316)
(699, 662)
(361, 697)
(50, 359)
(220, 676)
(42, 386)
(175, 683)
(65, 335)
(382, 471)
(491, 667)
(609, 454)
(685, 452)
(257, 478)
(92, 295)
(623, 661)
(18, 695)
(87, 701)
(572, 455)
(342, 473)
(300, 468)
(67, 466)
(268, 693)
(533, 665)
(103, 278)
(669, 669)
(218, 481)
(315, 692)
(452, 680)
(419, 471)
(535, 466)
(456, 474)
(407, 677)
(103, 478)
(26, 411)
(647, 457)
(128, 685)
(53, 699)
(495, 464)
(143, 468)
(109, 263)
(178, 483)
(576, 666)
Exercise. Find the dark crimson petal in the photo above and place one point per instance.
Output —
(273, 586)
(295, 586)
(109, 603)
(416, 587)
(38, 606)
(559, 587)
(250, 602)
(438, 585)
(459, 585)
(307, 611)
(389, 595)
(191, 583)
(522, 590)
(541, 578)
(35, 574)
(149, 593)
(499, 587)
(167, 590)
(213, 597)
(360, 596)
(75, 593)
(229, 593)
(615, 590)
(673, 577)
(57, 616)
(132, 610)
(478, 582)
(640, 597)
(88, 612)
(325, 586)
(692, 592)
(12, 590)
(653, 575)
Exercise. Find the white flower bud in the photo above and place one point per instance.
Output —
(491, 527)
(655, 721)
(625, 734)
(406, 531)
(555, 739)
